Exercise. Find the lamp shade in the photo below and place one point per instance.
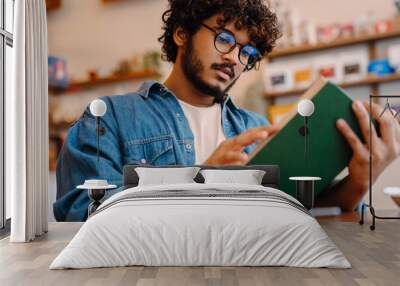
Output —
(98, 107)
(305, 107)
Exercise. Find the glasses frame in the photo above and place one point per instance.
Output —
(241, 46)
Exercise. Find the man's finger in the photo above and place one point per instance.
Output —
(233, 156)
(386, 121)
(363, 119)
(270, 129)
(389, 127)
(249, 137)
(351, 138)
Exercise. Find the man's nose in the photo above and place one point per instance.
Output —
(232, 56)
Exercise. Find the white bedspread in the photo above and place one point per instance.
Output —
(184, 230)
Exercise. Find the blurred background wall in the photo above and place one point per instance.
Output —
(95, 38)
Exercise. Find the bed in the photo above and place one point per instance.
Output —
(201, 224)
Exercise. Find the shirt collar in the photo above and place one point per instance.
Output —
(229, 101)
(149, 85)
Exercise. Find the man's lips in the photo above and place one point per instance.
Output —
(225, 72)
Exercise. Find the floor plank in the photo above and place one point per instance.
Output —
(374, 255)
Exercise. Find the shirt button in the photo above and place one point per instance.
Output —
(188, 146)
(143, 161)
(178, 115)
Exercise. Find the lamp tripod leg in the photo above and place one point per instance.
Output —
(372, 226)
(361, 222)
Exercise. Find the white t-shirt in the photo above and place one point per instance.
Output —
(206, 125)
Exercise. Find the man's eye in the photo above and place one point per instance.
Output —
(249, 51)
(225, 39)
(246, 53)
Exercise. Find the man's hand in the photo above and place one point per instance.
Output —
(384, 149)
(230, 152)
(348, 192)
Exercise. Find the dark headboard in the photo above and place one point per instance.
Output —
(270, 179)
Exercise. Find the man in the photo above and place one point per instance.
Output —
(189, 119)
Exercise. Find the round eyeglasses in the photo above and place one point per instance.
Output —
(225, 42)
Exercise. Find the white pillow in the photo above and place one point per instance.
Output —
(249, 177)
(162, 176)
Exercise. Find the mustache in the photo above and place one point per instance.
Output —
(225, 66)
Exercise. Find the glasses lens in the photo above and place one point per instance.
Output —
(249, 55)
(224, 42)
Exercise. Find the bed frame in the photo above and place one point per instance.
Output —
(270, 179)
(131, 179)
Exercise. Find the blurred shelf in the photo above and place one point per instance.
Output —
(85, 84)
(112, 1)
(341, 42)
(53, 4)
(369, 80)
(56, 128)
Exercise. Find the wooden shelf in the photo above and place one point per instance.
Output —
(306, 48)
(79, 85)
(53, 4)
(111, 1)
(369, 80)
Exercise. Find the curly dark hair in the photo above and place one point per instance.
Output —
(254, 15)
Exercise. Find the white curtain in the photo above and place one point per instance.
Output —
(27, 123)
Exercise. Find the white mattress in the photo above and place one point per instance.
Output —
(186, 230)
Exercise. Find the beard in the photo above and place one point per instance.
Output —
(192, 68)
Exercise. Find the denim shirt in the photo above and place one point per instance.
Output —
(144, 127)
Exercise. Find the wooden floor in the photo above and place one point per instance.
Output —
(374, 255)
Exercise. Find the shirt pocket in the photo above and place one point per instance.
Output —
(157, 150)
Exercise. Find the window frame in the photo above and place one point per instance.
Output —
(6, 39)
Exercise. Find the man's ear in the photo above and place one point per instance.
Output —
(180, 37)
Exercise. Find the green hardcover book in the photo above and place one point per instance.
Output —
(328, 152)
